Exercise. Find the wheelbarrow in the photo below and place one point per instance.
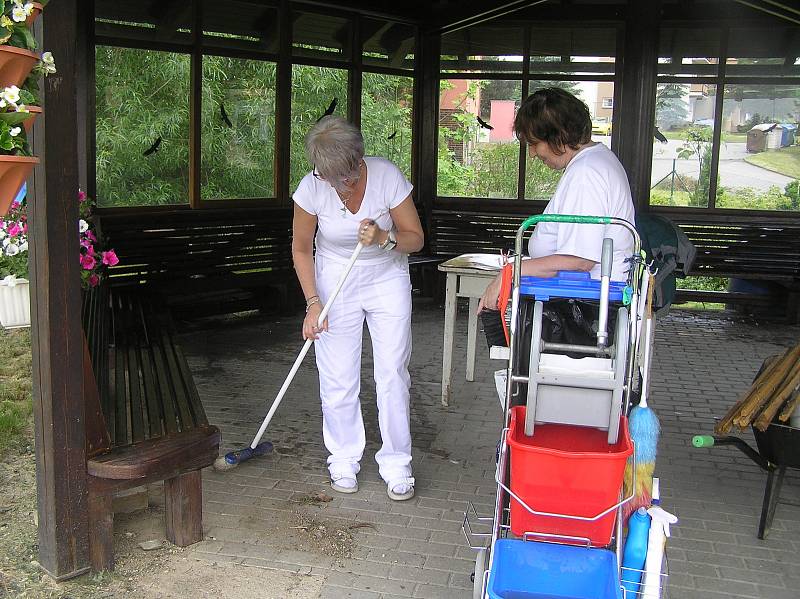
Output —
(778, 449)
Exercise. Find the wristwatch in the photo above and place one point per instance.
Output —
(390, 243)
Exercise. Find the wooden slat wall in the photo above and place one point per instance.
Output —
(761, 247)
(192, 250)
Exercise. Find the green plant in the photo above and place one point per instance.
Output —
(698, 143)
(14, 30)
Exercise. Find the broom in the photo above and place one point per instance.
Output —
(644, 427)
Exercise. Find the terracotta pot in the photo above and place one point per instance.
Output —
(37, 10)
(14, 170)
(15, 65)
(28, 123)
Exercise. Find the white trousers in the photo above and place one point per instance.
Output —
(381, 294)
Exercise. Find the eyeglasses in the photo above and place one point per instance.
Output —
(315, 173)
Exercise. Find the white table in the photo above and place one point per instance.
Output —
(467, 276)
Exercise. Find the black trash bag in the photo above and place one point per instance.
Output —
(563, 321)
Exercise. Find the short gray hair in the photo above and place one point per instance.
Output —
(335, 148)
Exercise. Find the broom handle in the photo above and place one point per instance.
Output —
(306, 346)
(648, 340)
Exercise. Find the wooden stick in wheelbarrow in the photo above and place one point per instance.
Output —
(785, 391)
(767, 369)
(753, 396)
(768, 387)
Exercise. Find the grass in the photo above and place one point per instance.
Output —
(785, 161)
(15, 388)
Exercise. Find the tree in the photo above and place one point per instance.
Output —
(671, 109)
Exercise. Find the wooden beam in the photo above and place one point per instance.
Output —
(426, 100)
(170, 15)
(56, 303)
(461, 22)
(634, 116)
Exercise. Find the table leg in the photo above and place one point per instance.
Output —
(450, 301)
(472, 333)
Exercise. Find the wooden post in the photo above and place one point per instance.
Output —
(56, 303)
(634, 117)
(426, 115)
(183, 505)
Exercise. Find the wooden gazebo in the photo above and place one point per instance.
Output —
(722, 56)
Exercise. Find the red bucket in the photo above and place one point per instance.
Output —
(565, 469)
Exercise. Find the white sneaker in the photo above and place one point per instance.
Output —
(344, 483)
(401, 489)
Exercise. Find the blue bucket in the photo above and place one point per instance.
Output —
(534, 570)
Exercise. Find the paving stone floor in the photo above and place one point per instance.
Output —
(416, 548)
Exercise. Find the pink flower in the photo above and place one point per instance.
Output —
(14, 230)
(90, 235)
(25, 228)
(110, 258)
(81, 195)
(93, 280)
(88, 262)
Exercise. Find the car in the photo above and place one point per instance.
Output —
(601, 126)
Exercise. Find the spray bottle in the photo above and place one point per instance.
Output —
(633, 557)
(657, 538)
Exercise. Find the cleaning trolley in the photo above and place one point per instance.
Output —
(566, 447)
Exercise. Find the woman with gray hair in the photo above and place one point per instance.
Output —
(348, 198)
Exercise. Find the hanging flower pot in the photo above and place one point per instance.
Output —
(15, 302)
(28, 122)
(37, 10)
(14, 170)
(15, 65)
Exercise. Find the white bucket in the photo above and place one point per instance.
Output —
(15, 303)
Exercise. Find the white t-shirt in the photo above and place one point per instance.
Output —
(337, 229)
(594, 184)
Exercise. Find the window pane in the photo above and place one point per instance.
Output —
(759, 163)
(238, 128)
(689, 52)
(314, 91)
(478, 152)
(387, 44)
(142, 127)
(386, 103)
(682, 159)
(483, 49)
(321, 36)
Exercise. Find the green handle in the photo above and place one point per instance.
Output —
(703, 441)
(565, 218)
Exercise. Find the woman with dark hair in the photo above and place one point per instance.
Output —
(558, 128)
(349, 198)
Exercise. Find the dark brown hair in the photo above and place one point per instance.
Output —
(556, 117)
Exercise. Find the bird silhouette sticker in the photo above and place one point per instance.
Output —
(392, 136)
(484, 124)
(659, 136)
(154, 148)
(224, 115)
(330, 109)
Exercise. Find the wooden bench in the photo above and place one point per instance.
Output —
(144, 419)
(759, 248)
(205, 261)
(763, 247)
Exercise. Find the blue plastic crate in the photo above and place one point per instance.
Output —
(569, 284)
(534, 570)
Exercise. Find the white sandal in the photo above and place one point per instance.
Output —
(344, 483)
(401, 489)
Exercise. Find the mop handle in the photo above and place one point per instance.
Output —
(299, 360)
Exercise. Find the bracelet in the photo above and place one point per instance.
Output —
(308, 300)
(314, 300)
